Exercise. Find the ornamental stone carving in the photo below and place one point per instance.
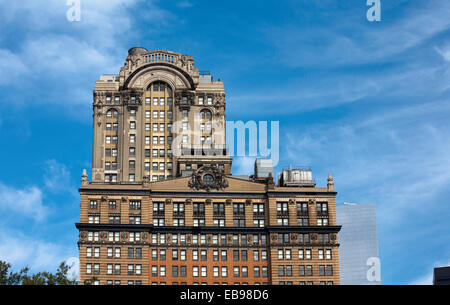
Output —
(83, 235)
(208, 177)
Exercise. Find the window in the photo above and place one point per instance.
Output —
(238, 209)
(329, 270)
(203, 255)
(282, 209)
(280, 270)
(117, 269)
(264, 271)
(322, 208)
(322, 221)
(195, 271)
(256, 272)
(288, 270)
(132, 125)
(206, 115)
(309, 270)
(200, 100)
(303, 238)
(236, 271)
(130, 269)
(138, 253)
(244, 255)
(88, 268)
(135, 205)
(244, 271)
(109, 269)
(93, 204)
(301, 270)
(203, 269)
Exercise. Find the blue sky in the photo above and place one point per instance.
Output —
(368, 102)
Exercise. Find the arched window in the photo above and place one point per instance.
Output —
(206, 114)
(112, 113)
(159, 86)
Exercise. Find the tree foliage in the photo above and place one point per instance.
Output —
(41, 278)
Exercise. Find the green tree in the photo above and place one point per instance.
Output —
(40, 278)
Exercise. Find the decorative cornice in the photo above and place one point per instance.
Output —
(206, 230)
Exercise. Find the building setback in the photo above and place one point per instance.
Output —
(358, 252)
(162, 207)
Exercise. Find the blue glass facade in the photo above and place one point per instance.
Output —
(358, 252)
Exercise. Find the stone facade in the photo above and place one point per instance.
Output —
(193, 223)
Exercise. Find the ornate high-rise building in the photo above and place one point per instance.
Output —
(162, 206)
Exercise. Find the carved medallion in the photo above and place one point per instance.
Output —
(208, 177)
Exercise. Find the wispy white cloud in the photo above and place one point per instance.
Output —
(185, 3)
(380, 156)
(21, 250)
(11, 66)
(27, 202)
(335, 45)
(444, 52)
(57, 177)
(70, 55)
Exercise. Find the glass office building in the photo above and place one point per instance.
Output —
(358, 252)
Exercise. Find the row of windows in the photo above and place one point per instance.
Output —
(133, 204)
(215, 283)
(116, 269)
(202, 271)
(302, 221)
(117, 282)
(307, 270)
(116, 99)
(214, 239)
(131, 282)
(131, 177)
(179, 208)
(115, 219)
(132, 253)
(202, 254)
(161, 87)
(302, 208)
(304, 254)
(161, 114)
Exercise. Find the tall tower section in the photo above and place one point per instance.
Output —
(158, 119)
